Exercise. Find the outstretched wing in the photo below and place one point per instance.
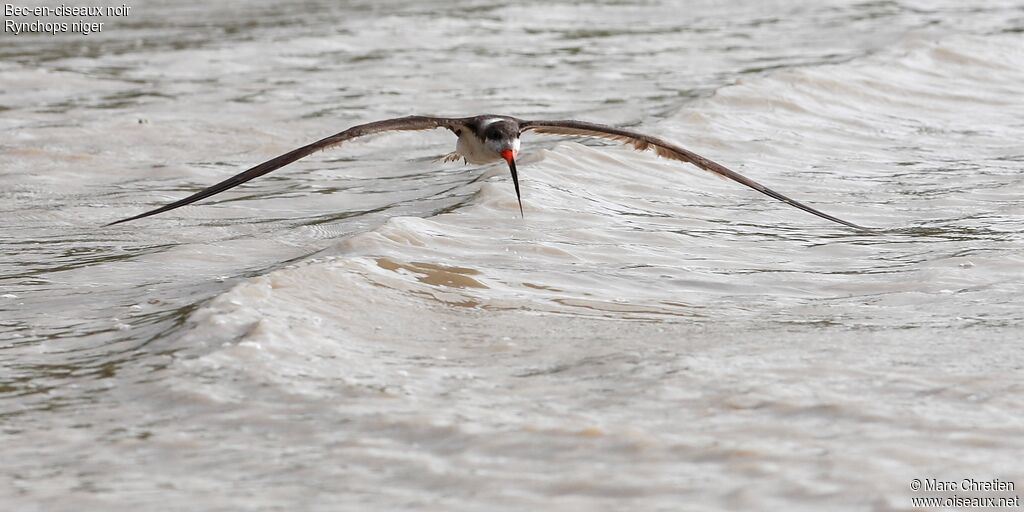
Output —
(665, 149)
(389, 125)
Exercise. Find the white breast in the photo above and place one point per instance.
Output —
(473, 149)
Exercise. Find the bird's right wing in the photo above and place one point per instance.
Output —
(409, 123)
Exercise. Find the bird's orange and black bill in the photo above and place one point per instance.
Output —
(511, 159)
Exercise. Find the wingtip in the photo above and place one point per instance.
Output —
(123, 220)
(849, 224)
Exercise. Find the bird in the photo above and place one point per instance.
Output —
(485, 139)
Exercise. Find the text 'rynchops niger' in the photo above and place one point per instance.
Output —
(491, 138)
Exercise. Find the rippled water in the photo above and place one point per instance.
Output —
(374, 329)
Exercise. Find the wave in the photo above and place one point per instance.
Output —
(913, 137)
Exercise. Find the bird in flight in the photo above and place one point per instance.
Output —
(491, 138)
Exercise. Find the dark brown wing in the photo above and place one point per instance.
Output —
(667, 150)
(388, 125)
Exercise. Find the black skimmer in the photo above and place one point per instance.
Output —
(490, 138)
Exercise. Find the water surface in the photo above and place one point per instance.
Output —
(373, 329)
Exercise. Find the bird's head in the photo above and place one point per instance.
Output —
(503, 139)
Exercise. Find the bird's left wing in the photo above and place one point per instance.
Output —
(409, 123)
(666, 149)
